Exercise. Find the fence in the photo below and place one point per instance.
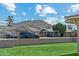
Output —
(43, 40)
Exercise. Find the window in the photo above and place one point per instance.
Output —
(69, 27)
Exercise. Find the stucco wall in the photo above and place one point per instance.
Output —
(14, 42)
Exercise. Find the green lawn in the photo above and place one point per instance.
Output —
(40, 50)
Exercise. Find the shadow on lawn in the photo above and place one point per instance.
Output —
(74, 54)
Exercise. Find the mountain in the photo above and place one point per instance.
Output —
(38, 24)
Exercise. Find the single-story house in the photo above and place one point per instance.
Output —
(38, 27)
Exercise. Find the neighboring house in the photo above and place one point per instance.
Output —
(36, 26)
(70, 28)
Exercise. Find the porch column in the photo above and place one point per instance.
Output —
(78, 39)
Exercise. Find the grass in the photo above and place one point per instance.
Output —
(56, 49)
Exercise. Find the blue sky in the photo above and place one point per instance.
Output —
(49, 12)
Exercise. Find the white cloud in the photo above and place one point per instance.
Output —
(10, 7)
(38, 8)
(42, 15)
(73, 8)
(62, 16)
(54, 20)
(51, 20)
(48, 9)
(3, 23)
(69, 10)
(61, 19)
(23, 13)
(13, 13)
(44, 10)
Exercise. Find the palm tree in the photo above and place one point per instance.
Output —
(10, 20)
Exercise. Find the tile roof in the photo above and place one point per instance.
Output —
(35, 25)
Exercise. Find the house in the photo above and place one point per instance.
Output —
(38, 27)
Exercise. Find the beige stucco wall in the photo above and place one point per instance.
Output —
(14, 42)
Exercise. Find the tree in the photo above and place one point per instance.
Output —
(59, 28)
(10, 20)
